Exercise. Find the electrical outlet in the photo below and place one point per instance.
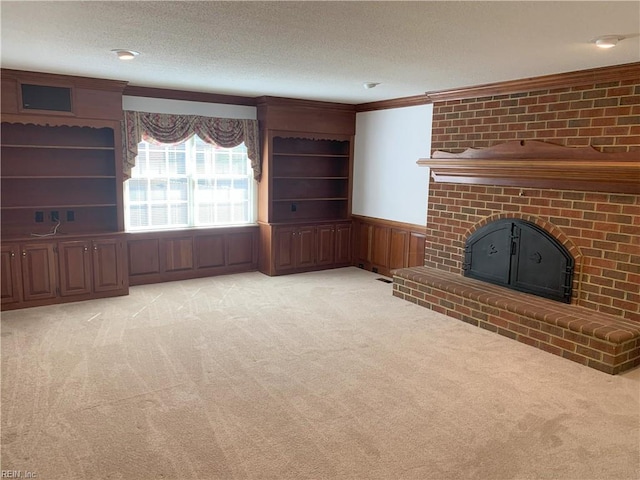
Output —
(71, 216)
(55, 216)
(39, 217)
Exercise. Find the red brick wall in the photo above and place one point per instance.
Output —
(603, 115)
(601, 230)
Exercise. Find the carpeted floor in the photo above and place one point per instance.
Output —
(322, 375)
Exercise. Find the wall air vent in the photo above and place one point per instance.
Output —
(43, 97)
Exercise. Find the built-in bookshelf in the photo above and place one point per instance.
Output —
(305, 191)
(61, 190)
(54, 174)
(310, 179)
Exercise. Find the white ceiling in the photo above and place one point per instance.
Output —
(316, 50)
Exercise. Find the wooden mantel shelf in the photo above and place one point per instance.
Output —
(540, 165)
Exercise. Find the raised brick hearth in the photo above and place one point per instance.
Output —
(598, 340)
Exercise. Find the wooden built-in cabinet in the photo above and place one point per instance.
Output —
(38, 264)
(334, 244)
(61, 189)
(42, 272)
(91, 265)
(10, 267)
(298, 248)
(305, 190)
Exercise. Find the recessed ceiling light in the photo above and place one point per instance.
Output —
(369, 85)
(607, 41)
(125, 54)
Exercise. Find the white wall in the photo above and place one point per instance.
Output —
(387, 182)
(183, 107)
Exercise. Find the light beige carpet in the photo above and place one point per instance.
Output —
(322, 375)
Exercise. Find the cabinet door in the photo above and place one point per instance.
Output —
(75, 267)
(108, 271)
(284, 248)
(10, 280)
(343, 245)
(38, 271)
(305, 246)
(326, 244)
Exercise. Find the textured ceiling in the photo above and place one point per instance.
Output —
(316, 50)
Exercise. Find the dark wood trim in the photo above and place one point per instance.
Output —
(181, 246)
(538, 164)
(278, 113)
(56, 120)
(311, 136)
(627, 71)
(297, 103)
(381, 245)
(409, 227)
(42, 78)
(165, 93)
(393, 103)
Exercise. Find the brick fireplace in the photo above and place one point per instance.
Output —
(599, 226)
(601, 230)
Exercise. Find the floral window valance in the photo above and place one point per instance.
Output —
(167, 128)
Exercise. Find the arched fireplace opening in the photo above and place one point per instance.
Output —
(522, 256)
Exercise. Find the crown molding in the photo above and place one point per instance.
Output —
(166, 93)
(628, 71)
(54, 79)
(393, 103)
(269, 101)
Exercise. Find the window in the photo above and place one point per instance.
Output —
(192, 184)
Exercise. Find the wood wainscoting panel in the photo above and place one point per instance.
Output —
(182, 254)
(417, 244)
(144, 256)
(242, 249)
(209, 250)
(384, 245)
(398, 248)
(380, 245)
(177, 253)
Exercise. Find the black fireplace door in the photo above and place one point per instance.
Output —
(522, 256)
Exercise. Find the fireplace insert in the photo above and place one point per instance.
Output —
(522, 256)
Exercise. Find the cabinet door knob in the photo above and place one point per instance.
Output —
(24, 254)
(13, 254)
(86, 249)
(95, 247)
